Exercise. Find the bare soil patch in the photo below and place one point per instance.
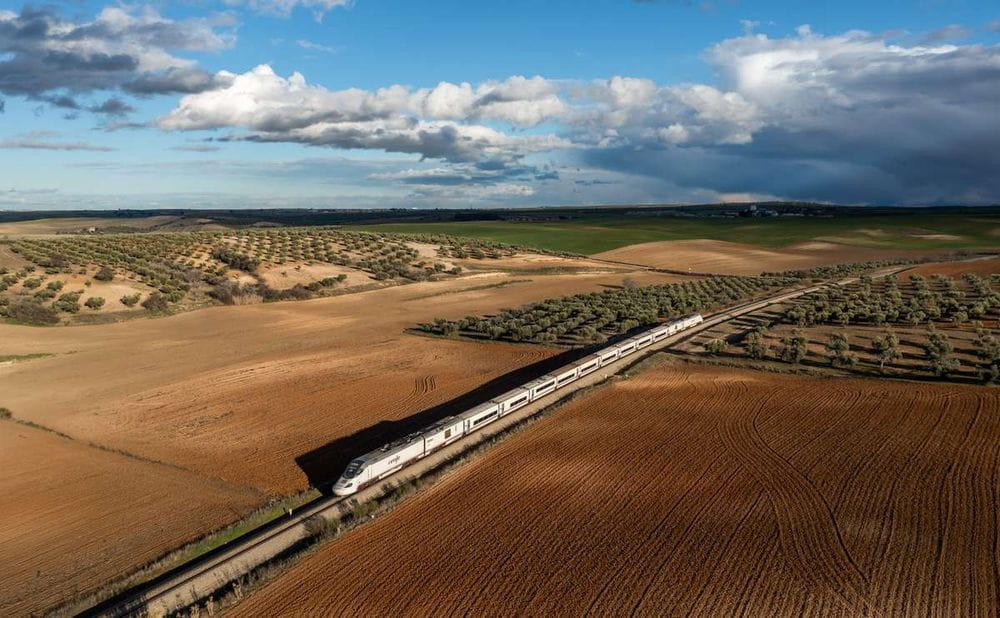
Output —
(720, 257)
(693, 490)
(75, 516)
(535, 261)
(284, 276)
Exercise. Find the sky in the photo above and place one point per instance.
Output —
(386, 104)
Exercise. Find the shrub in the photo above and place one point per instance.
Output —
(231, 292)
(32, 283)
(716, 346)
(755, 346)
(363, 510)
(5, 413)
(94, 302)
(296, 292)
(236, 260)
(319, 527)
(104, 274)
(31, 312)
(155, 302)
(130, 300)
(70, 302)
(55, 286)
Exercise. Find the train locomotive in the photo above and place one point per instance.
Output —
(392, 457)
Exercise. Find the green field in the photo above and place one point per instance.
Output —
(589, 236)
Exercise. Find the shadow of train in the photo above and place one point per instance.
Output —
(323, 465)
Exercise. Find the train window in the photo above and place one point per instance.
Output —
(447, 433)
(353, 469)
(488, 417)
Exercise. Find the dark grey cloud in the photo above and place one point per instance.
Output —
(844, 118)
(175, 80)
(493, 173)
(48, 58)
(112, 107)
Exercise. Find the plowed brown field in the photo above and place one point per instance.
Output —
(253, 401)
(74, 516)
(721, 257)
(983, 268)
(694, 490)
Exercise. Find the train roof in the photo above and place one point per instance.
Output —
(514, 392)
(537, 381)
(388, 450)
(586, 359)
(448, 420)
(567, 368)
(477, 410)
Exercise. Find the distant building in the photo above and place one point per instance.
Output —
(752, 211)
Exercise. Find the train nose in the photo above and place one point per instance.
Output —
(343, 489)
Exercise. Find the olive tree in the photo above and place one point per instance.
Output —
(794, 347)
(839, 351)
(938, 350)
(886, 349)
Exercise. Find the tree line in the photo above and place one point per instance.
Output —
(592, 318)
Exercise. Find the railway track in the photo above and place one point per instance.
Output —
(201, 577)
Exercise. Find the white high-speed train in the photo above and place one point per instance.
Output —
(392, 457)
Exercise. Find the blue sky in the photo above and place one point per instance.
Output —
(377, 103)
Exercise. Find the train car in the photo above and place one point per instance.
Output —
(587, 365)
(661, 332)
(626, 347)
(567, 375)
(443, 432)
(379, 464)
(540, 387)
(608, 355)
(480, 415)
(512, 400)
(642, 341)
